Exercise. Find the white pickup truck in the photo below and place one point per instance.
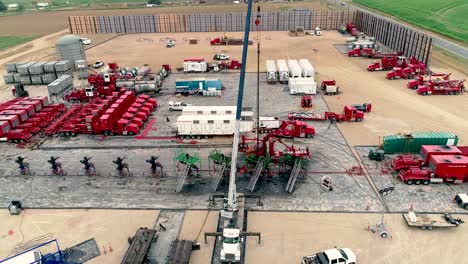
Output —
(331, 256)
(462, 200)
(177, 106)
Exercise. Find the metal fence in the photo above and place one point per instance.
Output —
(395, 36)
(390, 34)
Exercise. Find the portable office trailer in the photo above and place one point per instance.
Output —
(302, 86)
(210, 125)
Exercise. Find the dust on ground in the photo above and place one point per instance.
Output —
(110, 228)
(287, 237)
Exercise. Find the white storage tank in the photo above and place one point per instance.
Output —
(307, 68)
(283, 71)
(302, 86)
(70, 48)
(294, 69)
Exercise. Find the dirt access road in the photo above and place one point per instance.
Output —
(396, 108)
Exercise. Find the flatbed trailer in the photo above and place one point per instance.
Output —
(429, 221)
(137, 252)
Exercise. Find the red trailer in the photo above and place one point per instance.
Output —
(402, 162)
(349, 114)
(418, 176)
(37, 104)
(4, 128)
(451, 168)
(44, 100)
(31, 128)
(427, 151)
(20, 113)
(30, 109)
(12, 120)
(18, 135)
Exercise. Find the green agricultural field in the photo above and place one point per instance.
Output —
(446, 17)
(10, 41)
(28, 4)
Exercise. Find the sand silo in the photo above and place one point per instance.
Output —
(70, 48)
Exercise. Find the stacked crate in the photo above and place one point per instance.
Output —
(49, 72)
(23, 70)
(63, 68)
(11, 69)
(36, 71)
(81, 67)
(60, 87)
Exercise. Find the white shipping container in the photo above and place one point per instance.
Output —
(307, 68)
(302, 86)
(195, 66)
(210, 125)
(294, 69)
(283, 71)
(269, 122)
(272, 74)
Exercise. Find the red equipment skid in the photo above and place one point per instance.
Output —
(119, 114)
(402, 162)
(442, 87)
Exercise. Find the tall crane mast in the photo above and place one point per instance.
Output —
(232, 201)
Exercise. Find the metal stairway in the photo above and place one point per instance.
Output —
(257, 172)
(293, 177)
(217, 178)
(182, 177)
